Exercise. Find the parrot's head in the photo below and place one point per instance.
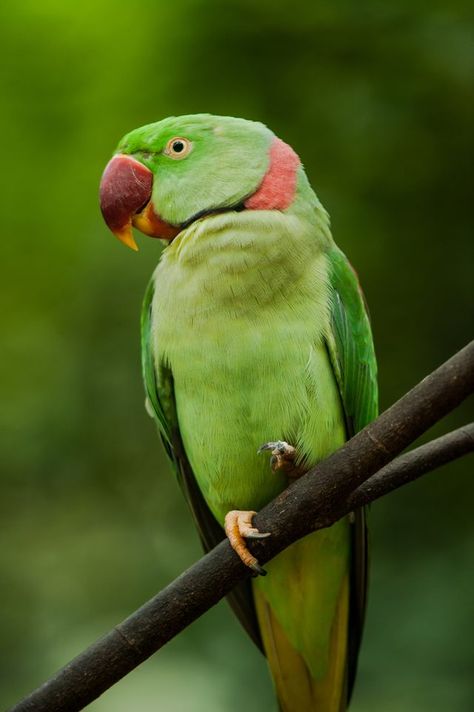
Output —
(165, 176)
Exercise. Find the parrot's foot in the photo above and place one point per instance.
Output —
(238, 526)
(283, 458)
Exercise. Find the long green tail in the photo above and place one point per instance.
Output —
(302, 608)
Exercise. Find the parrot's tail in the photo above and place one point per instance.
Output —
(297, 689)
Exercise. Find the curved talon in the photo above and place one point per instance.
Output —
(258, 569)
(257, 535)
(238, 525)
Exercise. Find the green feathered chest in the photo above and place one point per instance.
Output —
(244, 339)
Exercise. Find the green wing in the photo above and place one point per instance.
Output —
(351, 346)
(160, 403)
(351, 351)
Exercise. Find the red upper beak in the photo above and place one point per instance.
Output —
(125, 188)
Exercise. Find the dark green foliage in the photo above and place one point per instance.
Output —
(377, 99)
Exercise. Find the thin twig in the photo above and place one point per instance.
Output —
(314, 501)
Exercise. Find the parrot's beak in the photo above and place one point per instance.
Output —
(125, 192)
(125, 189)
(125, 200)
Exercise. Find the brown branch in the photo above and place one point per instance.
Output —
(316, 500)
(412, 465)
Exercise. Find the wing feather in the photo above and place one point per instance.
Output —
(351, 351)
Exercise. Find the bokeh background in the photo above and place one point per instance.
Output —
(377, 98)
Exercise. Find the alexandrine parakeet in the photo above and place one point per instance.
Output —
(255, 336)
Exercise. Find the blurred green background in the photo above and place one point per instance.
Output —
(378, 100)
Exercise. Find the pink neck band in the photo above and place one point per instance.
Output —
(277, 190)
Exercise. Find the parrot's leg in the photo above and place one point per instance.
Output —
(238, 526)
(283, 459)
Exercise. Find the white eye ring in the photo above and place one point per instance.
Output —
(178, 148)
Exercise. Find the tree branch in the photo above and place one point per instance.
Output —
(330, 490)
(409, 467)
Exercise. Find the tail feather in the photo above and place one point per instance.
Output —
(296, 688)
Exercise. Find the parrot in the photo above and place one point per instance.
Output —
(258, 362)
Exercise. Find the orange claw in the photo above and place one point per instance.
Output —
(238, 525)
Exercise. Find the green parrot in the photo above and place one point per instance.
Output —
(255, 337)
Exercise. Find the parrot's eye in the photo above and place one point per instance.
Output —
(178, 147)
